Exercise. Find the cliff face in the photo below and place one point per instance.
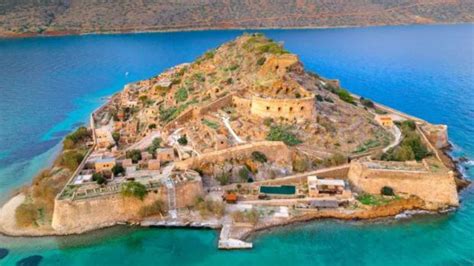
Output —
(74, 16)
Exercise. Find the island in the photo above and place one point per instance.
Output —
(242, 139)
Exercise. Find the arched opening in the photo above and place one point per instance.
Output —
(279, 109)
(302, 108)
(291, 109)
(268, 108)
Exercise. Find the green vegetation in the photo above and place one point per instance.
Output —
(342, 93)
(411, 147)
(199, 77)
(155, 144)
(206, 56)
(135, 155)
(259, 157)
(375, 200)
(211, 124)
(387, 191)
(232, 67)
(116, 136)
(319, 98)
(118, 169)
(223, 179)
(181, 95)
(71, 159)
(157, 207)
(168, 114)
(183, 140)
(283, 133)
(260, 44)
(77, 137)
(133, 189)
(244, 173)
(367, 145)
(261, 61)
(99, 178)
(367, 102)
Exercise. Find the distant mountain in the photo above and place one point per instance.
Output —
(31, 17)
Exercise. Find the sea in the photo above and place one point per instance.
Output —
(49, 85)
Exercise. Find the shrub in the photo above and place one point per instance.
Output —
(72, 140)
(181, 95)
(259, 157)
(367, 103)
(268, 121)
(99, 178)
(133, 189)
(345, 95)
(300, 164)
(118, 169)
(319, 98)
(116, 136)
(387, 191)
(261, 61)
(210, 124)
(223, 179)
(71, 159)
(282, 133)
(244, 173)
(334, 160)
(155, 144)
(26, 215)
(183, 140)
(135, 155)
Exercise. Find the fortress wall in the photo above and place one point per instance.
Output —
(76, 216)
(287, 108)
(242, 104)
(274, 150)
(435, 188)
(215, 105)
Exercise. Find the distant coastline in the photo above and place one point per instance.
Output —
(5, 35)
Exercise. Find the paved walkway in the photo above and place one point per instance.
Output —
(398, 137)
(225, 119)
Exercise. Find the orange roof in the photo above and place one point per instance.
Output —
(231, 197)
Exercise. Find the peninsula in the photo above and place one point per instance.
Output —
(242, 139)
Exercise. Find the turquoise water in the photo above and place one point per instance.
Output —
(288, 190)
(49, 85)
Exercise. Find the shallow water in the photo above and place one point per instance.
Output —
(49, 85)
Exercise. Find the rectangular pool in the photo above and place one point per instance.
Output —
(285, 190)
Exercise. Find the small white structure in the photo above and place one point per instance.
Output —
(317, 186)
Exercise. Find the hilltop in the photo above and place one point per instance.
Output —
(24, 18)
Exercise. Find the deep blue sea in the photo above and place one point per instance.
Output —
(48, 86)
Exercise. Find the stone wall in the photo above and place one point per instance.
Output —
(290, 108)
(437, 189)
(76, 216)
(275, 151)
(242, 104)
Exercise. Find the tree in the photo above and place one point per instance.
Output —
(282, 133)
(223, 178)
(259, 157)
(118, 169)
(116, 136)
(244, 173)
(99, 178)
(135, 155)
(183, 140)
(133, 189)
(387, 191)
(155, 144)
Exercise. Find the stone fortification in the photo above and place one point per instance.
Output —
(290, 108)
(275, 151)
(436, 188)
(77, 216)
